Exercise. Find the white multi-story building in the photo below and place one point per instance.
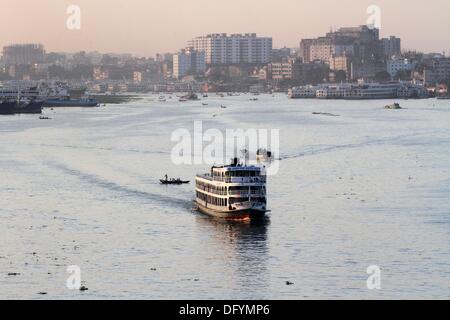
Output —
(222, 49)
(188, 61)
(280, 70)
(398, 64)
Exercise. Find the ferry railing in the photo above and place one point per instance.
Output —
(216, 192)
(247, 193)
(240, 179)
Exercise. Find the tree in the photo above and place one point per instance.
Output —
(341, 75)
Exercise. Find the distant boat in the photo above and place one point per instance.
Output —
(178, 181)
(223, 107)
(263, 155)
(191, 96)
(83, 102)
(394, 106)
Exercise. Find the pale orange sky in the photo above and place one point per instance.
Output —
(146, 27)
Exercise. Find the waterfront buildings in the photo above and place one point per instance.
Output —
(137, 77)
(396, 65)
(391, 46)
(282, 54)
(188, 61)
(223, 49)
(438, 71)
(342, 63)
(281, 70)
(358, 51)
(23, 54)
(358, 41)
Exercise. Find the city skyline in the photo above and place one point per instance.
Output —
(144, 30)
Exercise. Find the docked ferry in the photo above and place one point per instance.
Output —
(21, 106)
(234, 192)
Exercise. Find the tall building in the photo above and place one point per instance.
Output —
(281, 55)
(438, 72)
(23, 54)
(358, 41)
(358, 51)
(188, 61)
(222, 49)
(391, 46)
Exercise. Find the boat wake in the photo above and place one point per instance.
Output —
(121, 190)
(407, 139)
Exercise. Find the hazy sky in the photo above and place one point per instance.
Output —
(146, 27)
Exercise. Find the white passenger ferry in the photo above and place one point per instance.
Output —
(235, 192)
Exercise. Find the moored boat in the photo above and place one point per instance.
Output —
(83, 103)
(21, 106)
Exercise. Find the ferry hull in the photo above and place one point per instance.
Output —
(247, 214)
(71, 103)
(10, 108)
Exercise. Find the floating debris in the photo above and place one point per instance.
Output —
(326, 114)
(288, 283)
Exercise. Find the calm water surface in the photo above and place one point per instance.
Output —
(370, 187)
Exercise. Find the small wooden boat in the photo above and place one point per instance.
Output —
(173, 181)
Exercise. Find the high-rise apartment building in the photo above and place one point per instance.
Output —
(391, 46)
(223, 49)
